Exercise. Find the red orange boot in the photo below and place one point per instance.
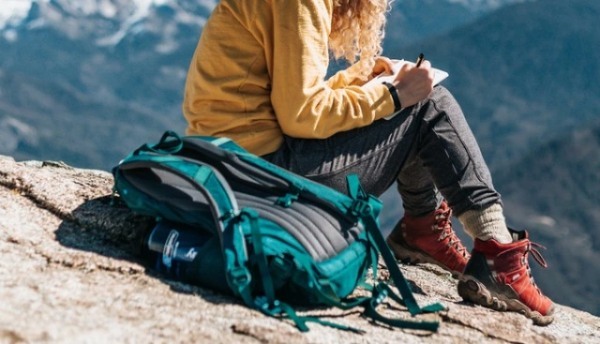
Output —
(498, 276)
(429, 239)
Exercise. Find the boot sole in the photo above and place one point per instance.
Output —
(409, 256)
(470, 289)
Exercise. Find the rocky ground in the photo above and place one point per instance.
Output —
(70, 272)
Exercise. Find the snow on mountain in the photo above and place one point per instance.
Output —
(165, 23)
(105, 22)
(13, 11)
(108, 22)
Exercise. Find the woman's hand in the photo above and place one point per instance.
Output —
(382, 65)
(414, 84)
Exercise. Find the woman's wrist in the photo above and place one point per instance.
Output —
(395, 96)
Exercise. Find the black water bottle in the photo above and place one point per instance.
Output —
(173, 248)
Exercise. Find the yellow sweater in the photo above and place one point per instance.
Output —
(259, 71)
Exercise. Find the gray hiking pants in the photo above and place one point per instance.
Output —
(428, 148)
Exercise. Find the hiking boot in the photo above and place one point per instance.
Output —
(498, 276)
(429, 239)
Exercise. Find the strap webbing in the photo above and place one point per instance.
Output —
(268, 304)
(365, 208)
(259, 253)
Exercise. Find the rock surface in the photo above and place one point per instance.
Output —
(70, 273)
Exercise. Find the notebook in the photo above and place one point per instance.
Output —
(438, 76)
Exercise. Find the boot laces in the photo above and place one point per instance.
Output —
(443, 224)
(532, 248)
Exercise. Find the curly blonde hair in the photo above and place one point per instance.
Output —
(357, 31)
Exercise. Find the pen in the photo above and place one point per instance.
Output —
(420, 59)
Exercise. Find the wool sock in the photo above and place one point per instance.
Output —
(486, 224)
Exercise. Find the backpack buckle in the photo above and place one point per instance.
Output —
(287, 200)
(290, 197)
(240, 277)
(360, 208)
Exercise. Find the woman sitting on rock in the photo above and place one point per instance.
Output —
(258, 76)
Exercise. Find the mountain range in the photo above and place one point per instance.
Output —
(523, 74)
(412, 21)
(97, 68)
(85, 82)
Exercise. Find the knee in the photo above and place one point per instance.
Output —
(441, 95)
(442, 102)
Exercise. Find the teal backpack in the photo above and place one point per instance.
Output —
(231, 221)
